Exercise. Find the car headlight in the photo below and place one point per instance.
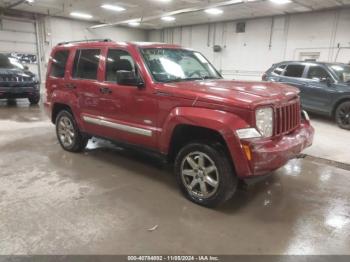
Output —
(264, 121)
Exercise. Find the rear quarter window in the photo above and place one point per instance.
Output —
(279, 70)
(58, 63)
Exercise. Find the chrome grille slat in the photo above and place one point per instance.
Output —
(287, 117)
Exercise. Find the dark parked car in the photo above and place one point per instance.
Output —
(16, 81)
(325, 87)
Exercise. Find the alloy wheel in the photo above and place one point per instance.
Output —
(200, 175)
(343, 115)
(66, 132)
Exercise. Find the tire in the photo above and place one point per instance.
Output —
(218, 175)
(68, 133)
(342, 115)
(34, 100)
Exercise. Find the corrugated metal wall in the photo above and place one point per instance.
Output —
(17, 35)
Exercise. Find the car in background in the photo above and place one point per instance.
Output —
(16, 81)
(324, 87)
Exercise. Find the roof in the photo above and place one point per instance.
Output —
(311, 62)
(108, 42)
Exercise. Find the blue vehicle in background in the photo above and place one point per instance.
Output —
(324, 87)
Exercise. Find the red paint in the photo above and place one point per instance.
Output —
(220, 105)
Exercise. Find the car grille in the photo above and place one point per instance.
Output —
(287, 117)
(14, 79)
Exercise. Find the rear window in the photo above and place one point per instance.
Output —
(86, 64)
(294, 71)
(58, 64)
(279, 70)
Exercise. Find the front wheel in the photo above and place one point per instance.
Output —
(342, 115)
(205, 174)
(34, 100)
(68, 133)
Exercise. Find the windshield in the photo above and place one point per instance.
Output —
(9, 63)
(172, 65)
(342, 71)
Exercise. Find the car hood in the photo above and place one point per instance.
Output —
(240, 93)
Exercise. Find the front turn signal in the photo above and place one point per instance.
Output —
(248, 152)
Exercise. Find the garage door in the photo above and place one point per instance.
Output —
(18, 38)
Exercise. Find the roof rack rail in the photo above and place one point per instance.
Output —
(85, 41)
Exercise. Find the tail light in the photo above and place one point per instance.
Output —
(264, 77)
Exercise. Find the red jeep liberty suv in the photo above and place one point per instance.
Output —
(171, 101)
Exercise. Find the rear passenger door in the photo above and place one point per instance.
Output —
(84, 82)
(294, 75)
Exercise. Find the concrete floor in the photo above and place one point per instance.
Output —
(331, 142)
(104, 201)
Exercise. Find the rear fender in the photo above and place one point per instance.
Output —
(70, 99)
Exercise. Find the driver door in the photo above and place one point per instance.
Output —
(130, 111)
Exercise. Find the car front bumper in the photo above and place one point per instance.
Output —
(268, 155)
(19, 92)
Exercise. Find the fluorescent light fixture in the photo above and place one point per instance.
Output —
(213, 11)
(113, 7)
(281, 2)
(30, 1)
(81, 15)
(168, 18)
(134, 24)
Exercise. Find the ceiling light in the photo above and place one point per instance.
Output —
(134, 24)
(113, 7)
(168, 18)
(30, 1)
(281, 2)
(214, 11)
(81, 15)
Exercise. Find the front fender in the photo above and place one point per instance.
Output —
(223, 122)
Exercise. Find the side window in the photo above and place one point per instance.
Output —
(58, 64)
(294, 71)
(118, 60)
(279, 70)
(86, 64)
(317, 73)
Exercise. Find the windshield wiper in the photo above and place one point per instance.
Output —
(182, 79)
(189, 79)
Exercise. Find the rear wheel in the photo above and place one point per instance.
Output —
(68, 133)
(342, 115)
(205, 174)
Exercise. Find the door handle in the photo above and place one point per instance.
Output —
(105, 90)
(71, 86)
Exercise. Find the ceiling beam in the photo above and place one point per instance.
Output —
(15, 4)
(298, 2)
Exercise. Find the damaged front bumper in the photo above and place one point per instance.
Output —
(268, 155)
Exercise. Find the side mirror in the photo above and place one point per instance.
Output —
(26, 67)
(326, 80)
(129, 78)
